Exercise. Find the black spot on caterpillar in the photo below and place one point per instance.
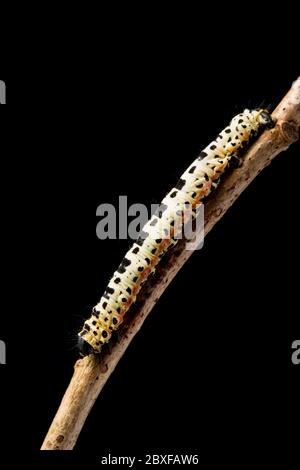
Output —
(140, 261)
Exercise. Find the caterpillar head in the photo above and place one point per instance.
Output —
(265, 119)
(84, 347)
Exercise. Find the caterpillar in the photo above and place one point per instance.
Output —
(193, 187)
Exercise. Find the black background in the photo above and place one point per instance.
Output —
(210, 372)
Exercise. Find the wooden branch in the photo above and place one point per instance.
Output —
(91, 373)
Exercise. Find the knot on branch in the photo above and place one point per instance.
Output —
(288, 131)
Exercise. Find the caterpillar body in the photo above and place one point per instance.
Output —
(195, 184)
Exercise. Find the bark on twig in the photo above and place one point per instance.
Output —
(90, 373)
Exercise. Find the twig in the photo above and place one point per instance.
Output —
(90, 373)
